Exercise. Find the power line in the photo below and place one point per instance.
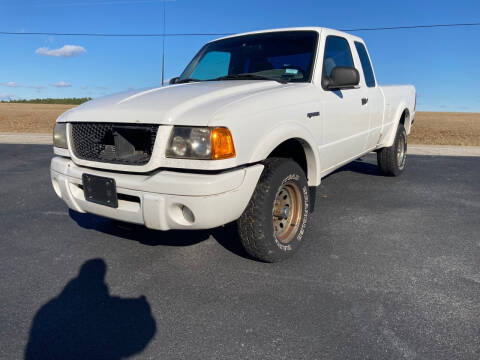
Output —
(89, 3)
(412, 27)
(226, 34)
(112, 35)
(163, 45)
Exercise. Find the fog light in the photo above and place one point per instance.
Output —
(188, 214)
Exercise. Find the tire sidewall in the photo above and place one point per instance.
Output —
(287, 172)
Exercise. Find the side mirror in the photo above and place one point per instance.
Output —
(341, 78)
(173, 80)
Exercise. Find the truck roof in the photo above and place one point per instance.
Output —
(311, 28)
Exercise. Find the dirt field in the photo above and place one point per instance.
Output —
(435, 128)
(34, 118)
(443, 128)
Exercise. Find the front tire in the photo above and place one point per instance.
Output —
(273, 224)
(392, 160)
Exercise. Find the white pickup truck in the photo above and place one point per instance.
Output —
(245, 134)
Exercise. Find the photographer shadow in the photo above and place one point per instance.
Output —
(85, 322)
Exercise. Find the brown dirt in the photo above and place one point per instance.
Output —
(445, 128)
(31, 118)
(435, 128)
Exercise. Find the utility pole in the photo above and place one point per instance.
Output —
(163, 45)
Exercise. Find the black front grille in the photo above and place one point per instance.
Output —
(128, 144)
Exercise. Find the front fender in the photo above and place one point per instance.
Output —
(285, 132)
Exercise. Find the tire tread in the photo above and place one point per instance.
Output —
(387, 157)
(251, 224)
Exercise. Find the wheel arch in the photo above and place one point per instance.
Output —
(295, 143)
(402, 116)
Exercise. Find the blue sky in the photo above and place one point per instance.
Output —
(443, 63)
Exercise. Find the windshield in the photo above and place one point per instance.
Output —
(282, 56)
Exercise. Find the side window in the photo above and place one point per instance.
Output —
(337, 53)
(366, 64)
(212, 65)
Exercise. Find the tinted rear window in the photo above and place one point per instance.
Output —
(366, 64)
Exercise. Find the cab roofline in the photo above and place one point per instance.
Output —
(301, 28)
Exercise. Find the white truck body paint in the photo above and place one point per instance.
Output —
(260, 115)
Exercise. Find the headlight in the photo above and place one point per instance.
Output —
(201, 143)
(60, 135)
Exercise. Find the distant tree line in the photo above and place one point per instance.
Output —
(65, 101)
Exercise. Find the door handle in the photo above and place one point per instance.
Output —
(364, 101)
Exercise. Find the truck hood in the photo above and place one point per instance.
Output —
(182, 104)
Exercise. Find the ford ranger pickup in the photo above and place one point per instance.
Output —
(246, 133)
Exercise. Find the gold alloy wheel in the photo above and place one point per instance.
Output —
(287, 212)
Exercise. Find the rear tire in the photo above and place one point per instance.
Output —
(392, 160)
(272, 226)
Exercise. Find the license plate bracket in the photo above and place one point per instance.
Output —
(100, 190)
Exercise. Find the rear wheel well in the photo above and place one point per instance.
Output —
(405, 120)
(292, 149)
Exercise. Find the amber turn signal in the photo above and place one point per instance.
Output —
(222, 144)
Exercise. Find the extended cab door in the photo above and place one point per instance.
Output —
(345, 116)
(374, 96)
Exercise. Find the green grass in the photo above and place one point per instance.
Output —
(65, 101)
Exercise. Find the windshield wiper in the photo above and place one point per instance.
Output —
(187, 80)
(249, 77)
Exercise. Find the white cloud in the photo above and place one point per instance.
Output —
(84, 87)
(62, 84)
(12, 84)
(6, 97)
(64, 51)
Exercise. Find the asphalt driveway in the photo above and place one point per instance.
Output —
(390, 270)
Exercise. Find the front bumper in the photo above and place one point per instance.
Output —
(158, 201)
